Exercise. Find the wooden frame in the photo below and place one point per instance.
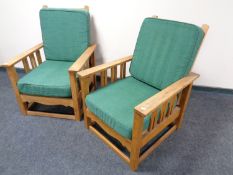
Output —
(32, 59)
(176, 95)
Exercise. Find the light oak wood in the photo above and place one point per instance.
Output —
(136, 140)
(103, 78)
(100, 68)
(83, 59)
(47, 100)
(23, 55)
(113, 74)
(33, 61)
(172, 102)
(153, 102)
(75, 96)
(38, 56)
(53, 115)
(26, 65)
(156, 144)
(110, 144)
(125, 142)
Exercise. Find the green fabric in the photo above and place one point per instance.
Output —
(65, 33)
(114, 104)
(165, 51)
(50, 79)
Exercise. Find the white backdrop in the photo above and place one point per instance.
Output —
(116, 24)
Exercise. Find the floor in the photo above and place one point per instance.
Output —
(39, 145)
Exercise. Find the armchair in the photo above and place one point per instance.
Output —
(140, 111)
(65, 34)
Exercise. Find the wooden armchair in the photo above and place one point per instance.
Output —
(142, 110)
(65, 34)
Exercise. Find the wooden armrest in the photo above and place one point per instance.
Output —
(23, 55)
(80, 62)
(155, 101)
(102, 67)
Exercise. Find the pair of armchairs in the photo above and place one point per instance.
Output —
(137, 112)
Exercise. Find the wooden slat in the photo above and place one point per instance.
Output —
(38, 56)
(102, 67)
(161, 126)
(125, 142)
(155, 101)
(26, 65)
(156, 144)
(48, 100)
(23, 55)
(112, 146)
(152, 120)
(53, 115)
(122, 70)
(113, 73)
(103, 78)
(33, 61)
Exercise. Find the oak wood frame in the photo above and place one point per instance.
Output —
(32, 59)
(165, 99)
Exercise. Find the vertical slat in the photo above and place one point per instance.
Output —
(26, 65)
(113, 73)
(33, 60)
(92, 64)
(183, 103)
(163, 111)
(103, 76)
(152, 120)
(38, 56)
(122, 70)
(172, 104)
(136, 140)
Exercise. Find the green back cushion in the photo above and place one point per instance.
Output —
(65, 33)
(165, 51)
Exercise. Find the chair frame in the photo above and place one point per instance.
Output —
(32, 59)
(181, 89)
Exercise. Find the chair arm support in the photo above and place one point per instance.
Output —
(23, 55)
(80, 62)
(152, 103)
(96, 69)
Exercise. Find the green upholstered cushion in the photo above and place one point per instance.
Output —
(114, 104)
(50, 79)
(165, 51)
(65, 33)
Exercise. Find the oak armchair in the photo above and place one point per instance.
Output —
(65, 34)
(142, 110)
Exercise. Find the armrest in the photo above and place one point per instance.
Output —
(23, 55)
(155, 101)
(80, 62)
(102, 67)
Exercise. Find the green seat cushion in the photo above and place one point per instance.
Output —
(65, 33)
(50, 79)
(114, 104)
(165, 51)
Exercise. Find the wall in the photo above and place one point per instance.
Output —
(116, 24)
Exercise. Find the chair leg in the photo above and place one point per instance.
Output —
(183, 104)
(75, 96)
(136, 141)
(14, 78)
